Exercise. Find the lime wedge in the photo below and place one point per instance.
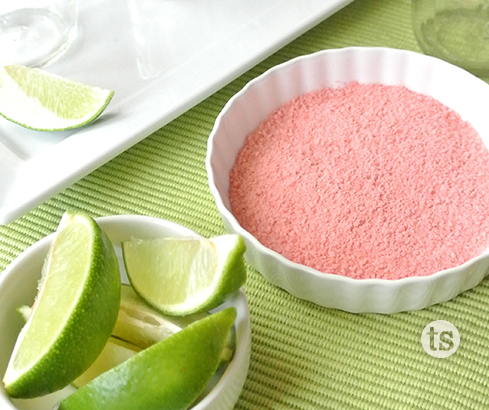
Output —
(184, 276)
(43, 101)
(168, 375)
(74, 312)
(114, 353)
(143, 326)
(140, 324)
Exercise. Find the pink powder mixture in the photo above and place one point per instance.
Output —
(367, 181)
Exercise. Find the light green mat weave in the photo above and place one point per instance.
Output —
(303, 356)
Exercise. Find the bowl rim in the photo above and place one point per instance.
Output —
(228, 216)
(241, 357)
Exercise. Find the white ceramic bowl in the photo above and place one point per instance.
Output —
(450, 85)
(18, 286)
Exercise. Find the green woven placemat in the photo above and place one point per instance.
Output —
(303, 356)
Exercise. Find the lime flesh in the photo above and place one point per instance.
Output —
(141, 325)
(115, 352)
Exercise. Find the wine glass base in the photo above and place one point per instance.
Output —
(34, 37)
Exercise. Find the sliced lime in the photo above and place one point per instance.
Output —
(140, 324)
(183, 276)
(43, 101)
(168, 375)
(143, 326)
(74, 312)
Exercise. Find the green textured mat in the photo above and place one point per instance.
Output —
(303, 356)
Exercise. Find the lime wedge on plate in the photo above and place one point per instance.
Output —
(42, 101)
(74, 312)
(182, 276)
(168, 375)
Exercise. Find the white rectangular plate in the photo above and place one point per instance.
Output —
(161, 57)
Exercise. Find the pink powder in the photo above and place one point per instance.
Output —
(367, 181)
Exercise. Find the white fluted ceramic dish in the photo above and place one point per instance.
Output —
(452, 86)
(18, 285)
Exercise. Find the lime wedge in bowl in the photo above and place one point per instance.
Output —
(141, 325)
(168, 375)
(180, 276)
(74, 313)
(115, 352)
(42, 101)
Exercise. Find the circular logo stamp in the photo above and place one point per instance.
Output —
(440, 339)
